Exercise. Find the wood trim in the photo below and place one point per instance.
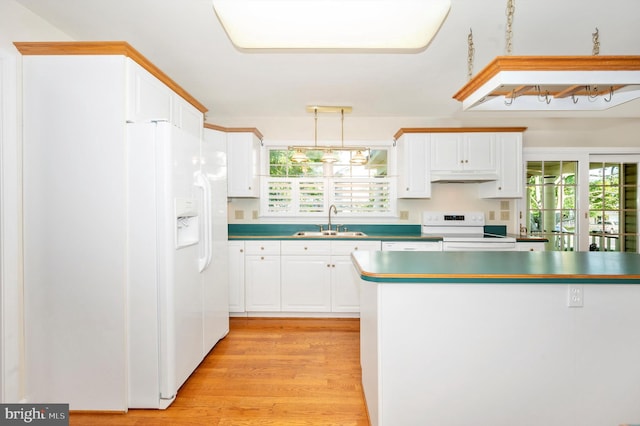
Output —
(235, 129)
(456, 130)
(547, 63)
(106, 48)
(214, 127)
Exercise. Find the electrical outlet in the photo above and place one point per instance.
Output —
(504, 215)
(238, 214)
(504, 205)
(254, 214)
(492, 215)
(576, 296)
(404, 215)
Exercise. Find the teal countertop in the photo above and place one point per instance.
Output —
(499, 267)
(381, 232)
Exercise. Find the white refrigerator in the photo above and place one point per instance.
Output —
(178, 297)
(124, 287)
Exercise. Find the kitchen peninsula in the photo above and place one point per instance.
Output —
(500, 338)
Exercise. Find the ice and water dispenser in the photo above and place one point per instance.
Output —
(187, 226)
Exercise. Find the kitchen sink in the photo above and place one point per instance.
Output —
(329, 234)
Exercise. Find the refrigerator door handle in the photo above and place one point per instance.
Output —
(203, 182)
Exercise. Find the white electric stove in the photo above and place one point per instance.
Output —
(464, 231)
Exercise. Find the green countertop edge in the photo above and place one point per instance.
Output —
(504, 281)
(511, 267)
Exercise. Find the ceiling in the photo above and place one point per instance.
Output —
(185, 40)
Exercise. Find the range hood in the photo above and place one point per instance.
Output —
(462, 177)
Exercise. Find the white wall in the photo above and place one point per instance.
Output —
(18, 24)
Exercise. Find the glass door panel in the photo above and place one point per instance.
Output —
(613, 212)
(551, 202)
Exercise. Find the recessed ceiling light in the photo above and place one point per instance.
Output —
(332, 24)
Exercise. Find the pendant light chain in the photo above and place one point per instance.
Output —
(596, 42)
(315, 128)
(511, 8)
(471, 50)
(342, 128)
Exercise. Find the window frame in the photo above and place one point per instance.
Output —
(391, 177)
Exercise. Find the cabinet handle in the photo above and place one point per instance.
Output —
(261, 248)
(499, 188)
(531, 249)
(333, 266)
(261, 257)
(407, 188)
(466, 161)
(249, 188)
(356, 248)
(241, 251)
(305, 248)
(328, 265)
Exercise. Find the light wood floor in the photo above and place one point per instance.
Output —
(276, 372)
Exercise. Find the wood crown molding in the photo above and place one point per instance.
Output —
(106, 48)
(235, 129)
(547, 63)
(457, 130)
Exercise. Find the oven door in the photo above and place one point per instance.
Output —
(478, 246)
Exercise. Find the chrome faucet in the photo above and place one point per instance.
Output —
(335, 211)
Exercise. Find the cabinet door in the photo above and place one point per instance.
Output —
(509, 163)
(148, 98)
(345, 285)
(187, 117)
(345, 282)
(236, 276)
(478, 152)
(262, 283)
(531, 246)
(305, 284)
(243, 157)
(414, 173)
(445, 152)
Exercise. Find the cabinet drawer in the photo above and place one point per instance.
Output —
(306, 247)
(345, 248)
(262, 247)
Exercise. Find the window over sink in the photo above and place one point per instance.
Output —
(307, 189)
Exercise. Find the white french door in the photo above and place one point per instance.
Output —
(581, 201)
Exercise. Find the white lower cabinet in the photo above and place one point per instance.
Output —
(529, 246)
(318, 276)
(236, 276)
(262, 276)
(295, 276)
(305, 276)
(345, 282)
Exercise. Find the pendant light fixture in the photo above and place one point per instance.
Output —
(329, 152)
(299, 156)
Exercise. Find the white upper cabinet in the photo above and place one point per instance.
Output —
(243, 156)
(463, 156)
(186, 117)
(149, 99)
(510, 174)
(489, 156)
(414, 175)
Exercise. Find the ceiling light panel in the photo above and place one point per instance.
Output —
(331, 24)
